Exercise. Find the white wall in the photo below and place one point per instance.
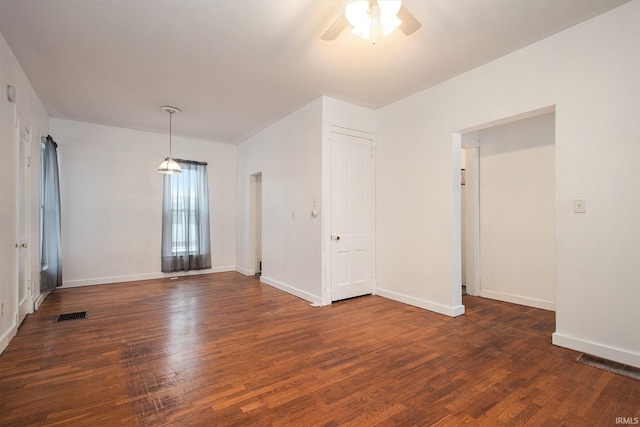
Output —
(289, 156)
(591, 73)
(346, 115)
(111, 195)
(517, 212)
(32, 114)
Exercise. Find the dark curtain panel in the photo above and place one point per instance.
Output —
(51, 249)
(185, 219)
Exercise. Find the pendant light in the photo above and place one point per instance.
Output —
(366, 15)
(169, 166)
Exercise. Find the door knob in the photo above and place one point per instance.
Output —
(23, 245)
(334, 237)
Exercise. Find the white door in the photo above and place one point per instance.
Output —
(22, 217)
(351, 216)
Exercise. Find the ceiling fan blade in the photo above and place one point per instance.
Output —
(409, 22)
(336, 28)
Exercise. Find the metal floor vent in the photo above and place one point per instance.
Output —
(607, 365)
(72, 316)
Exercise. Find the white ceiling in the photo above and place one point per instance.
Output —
(236, 66)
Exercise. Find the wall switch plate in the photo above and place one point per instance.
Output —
(579, 205)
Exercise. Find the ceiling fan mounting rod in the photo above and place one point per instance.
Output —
(375, 15)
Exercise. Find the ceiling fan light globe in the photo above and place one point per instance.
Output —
(389, 23)
(357, 13)
(363, 31)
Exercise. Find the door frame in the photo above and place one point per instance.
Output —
(472, 225)
(255, 217)
(327, 132)
(468, 137)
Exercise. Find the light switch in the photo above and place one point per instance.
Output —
(579, 205)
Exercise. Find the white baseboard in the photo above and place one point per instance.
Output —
(7, 337)
(25, 307)
(246, 271)
(447, 310)
(626, 357)
(516, 299)
(313, 299)
(136, 277)
(38, 302)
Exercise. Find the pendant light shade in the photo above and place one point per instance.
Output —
(169, 166)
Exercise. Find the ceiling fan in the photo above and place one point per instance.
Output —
(366, 16)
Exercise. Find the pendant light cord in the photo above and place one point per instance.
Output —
(170, 120)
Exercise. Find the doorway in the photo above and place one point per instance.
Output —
(509, 210)
(470, 208)
(255, 192)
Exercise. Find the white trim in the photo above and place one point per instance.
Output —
(325, 214)
(39, 300)
(619, 355)
(472, 211)
(24, 307)
(456, 230)
(510, 119)
(516, 299)
(7, 337)
(313, 299)
(373, 206)
(253, 246)
(136, 277)
(246, 271)
(350, 131)
(452, 311)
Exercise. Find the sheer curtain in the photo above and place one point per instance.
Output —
(185, 219)
(51, 240)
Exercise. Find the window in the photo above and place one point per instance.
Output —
(185, 219)
(50, 225)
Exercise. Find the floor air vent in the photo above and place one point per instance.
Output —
(607, 365)
(72, 316)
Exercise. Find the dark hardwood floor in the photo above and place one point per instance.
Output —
(223, 349)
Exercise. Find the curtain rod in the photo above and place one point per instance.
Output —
(189, 162)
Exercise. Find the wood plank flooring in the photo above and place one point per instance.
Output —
(224, 349)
